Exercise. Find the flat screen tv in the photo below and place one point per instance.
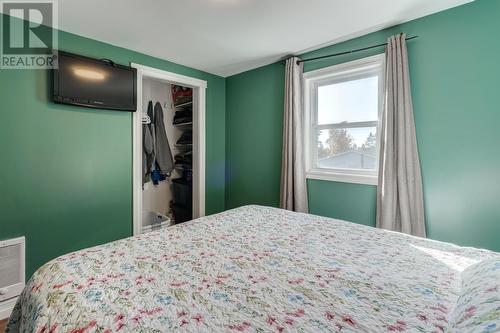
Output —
(94, 83)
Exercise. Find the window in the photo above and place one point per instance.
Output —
(343, 105)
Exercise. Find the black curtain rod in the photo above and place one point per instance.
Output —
(349, 52)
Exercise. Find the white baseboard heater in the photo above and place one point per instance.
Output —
(12, 270)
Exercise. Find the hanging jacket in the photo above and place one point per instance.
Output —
(163, 154)
(148, 153)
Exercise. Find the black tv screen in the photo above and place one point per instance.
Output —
(94, 83)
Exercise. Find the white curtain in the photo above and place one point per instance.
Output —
(293, 195)
(400, 205)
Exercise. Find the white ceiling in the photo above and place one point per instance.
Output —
(226, 37)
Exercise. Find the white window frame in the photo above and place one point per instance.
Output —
(348, 71)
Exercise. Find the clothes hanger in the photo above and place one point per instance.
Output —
(146, 120)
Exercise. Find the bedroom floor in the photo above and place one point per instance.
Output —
(3, 323)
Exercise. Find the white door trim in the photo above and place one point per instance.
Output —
(199, 100)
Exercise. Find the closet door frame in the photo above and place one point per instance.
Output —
(199, 104)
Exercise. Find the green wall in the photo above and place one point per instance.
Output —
(66, 172)
(455, 73)
(253, 136)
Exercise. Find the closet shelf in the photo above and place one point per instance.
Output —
(182, 168)
(184, 146)
(184, 125)
(183, 104)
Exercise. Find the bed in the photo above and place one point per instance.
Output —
(261, 269)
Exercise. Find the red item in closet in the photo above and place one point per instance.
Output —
(179, 92)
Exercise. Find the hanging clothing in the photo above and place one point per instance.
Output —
(157, 176)
(163, 154)
(148, 154)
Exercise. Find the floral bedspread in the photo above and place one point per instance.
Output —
(260, 269)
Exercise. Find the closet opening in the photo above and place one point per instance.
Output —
(168, 149)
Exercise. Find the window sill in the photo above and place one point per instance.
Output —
(343, 177)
